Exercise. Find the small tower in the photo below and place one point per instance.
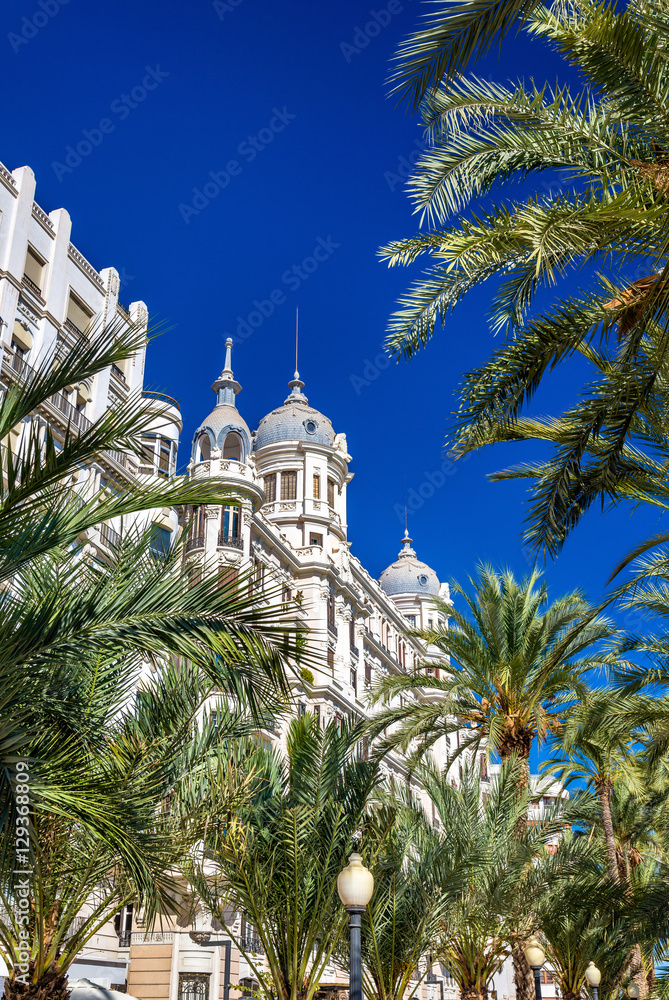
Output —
(222, 449)
(224, 429)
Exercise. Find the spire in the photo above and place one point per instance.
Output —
(296, 385)
(225, 386)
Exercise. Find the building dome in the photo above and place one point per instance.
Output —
(408, 575)
(294, 421)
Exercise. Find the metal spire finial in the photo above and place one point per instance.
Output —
(297, 328)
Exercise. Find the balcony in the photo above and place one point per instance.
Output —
(73, 328)
(355, 651)
(231, 541)
(197, 542)
(118, 373)
(251, 943)
(332, 629)
(73, 415)
(161, 397)
(34, 288)
(110, 537)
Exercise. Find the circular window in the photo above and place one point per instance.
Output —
(310, 426)
(422, 580)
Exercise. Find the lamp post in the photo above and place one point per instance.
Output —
(594, 977)
(355, 885)
(633, 991)
(536, 956)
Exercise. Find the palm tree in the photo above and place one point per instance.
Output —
(76, 637)
(109, 786)
(412, 889)
(451, 36)
(608, 144)
(596, 745)
(512, 666)
(582, 913)
(277, 861)
(492, 851)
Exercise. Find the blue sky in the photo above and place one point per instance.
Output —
(285, 105)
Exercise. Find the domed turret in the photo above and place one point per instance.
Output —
(408, 575)
(295, 420)
(224, 428)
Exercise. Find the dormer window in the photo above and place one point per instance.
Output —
(233, 449)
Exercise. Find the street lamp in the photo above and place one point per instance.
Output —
(536, 956)
(355, 885)
(594, 977)
(633, 991)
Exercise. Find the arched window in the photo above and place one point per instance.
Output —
(205, 447)
(233, 449)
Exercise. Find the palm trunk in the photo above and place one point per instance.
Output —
(473, 993)
(52, 985)
(604, 789)
(522, 975)
(637, 971)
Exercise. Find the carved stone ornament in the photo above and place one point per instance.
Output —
(212, 511)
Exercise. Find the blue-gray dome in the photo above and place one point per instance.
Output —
(409, 575)
(294, 421)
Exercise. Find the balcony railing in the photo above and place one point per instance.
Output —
(110, 537)
(17, 364)
(118, 372)
(232, 540)
(431, 978)
(251, 943)
(149, 394)
(33, 286)
(73, 328)
(197, 542)
(332, 628)
(73, 415)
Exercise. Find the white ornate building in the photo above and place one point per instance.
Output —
(289, 479)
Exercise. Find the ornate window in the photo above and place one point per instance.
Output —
(194, 985)
(289, 485)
